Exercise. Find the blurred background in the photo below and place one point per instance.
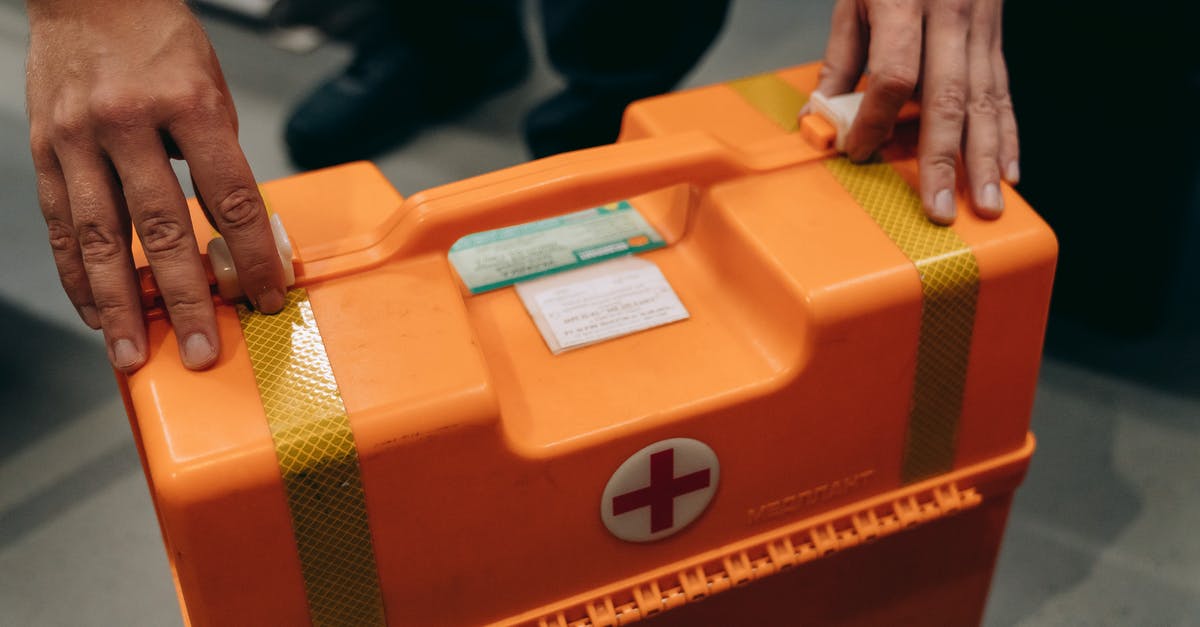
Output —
(1104, 531)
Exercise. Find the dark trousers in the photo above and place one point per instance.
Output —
(609, 52)
(1107, 96)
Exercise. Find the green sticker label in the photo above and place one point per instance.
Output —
(492, 259)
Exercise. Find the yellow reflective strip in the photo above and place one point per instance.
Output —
(950, 286)
(773, 97)
(317, 461)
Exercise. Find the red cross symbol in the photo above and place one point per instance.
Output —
(660, 495)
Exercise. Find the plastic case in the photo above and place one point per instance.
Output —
(866, 460)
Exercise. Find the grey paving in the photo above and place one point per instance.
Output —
(1104, 532)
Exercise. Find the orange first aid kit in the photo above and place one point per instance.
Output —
(800, 402)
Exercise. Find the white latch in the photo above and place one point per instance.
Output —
(222, 262)
(839, 111)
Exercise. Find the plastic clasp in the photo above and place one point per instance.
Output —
(829, 123)
(837, 113)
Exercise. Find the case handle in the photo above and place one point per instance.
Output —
(434, 219)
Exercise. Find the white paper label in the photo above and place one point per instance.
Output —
(600, 302)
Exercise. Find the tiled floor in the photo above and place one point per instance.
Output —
(1104, 532)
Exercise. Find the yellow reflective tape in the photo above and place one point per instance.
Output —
(318, 463)
(773, 97)
(949, 285)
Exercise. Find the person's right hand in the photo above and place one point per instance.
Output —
(951, 51)
(115, 89)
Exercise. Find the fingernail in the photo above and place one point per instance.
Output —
(859, 152)
(943, 207)
(270, 300)
(1012, 173)
(125, 354)
(90, 316)
(989, 198)
(198, 351)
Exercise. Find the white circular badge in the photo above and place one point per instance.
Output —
(660, 490)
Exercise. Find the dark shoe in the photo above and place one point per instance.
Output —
(571, 121)
(388, 93)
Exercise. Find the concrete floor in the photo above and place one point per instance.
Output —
(1104, 532)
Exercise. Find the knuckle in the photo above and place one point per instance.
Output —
(896, 83)
(944, 161)
(186, 303)
(70, 124)
(112, 307)
(949, 102)
(198, 99)
(74, 280)
(959, 10)
(238, 208)
(119, 110)
(41, 147)
(163, 233)
(982, 104)
(1003, 103)
(98, 243)
(62, 236)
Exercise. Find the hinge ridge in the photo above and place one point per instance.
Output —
(789, 549)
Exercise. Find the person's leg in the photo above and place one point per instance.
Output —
(612, 52)
(1117, 190)
(421, 62)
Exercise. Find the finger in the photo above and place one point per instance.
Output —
(56, 210)
(203, 207)
(231, 196)
(223, 88)
(160, 216)
(845, 52)
(1010, 153)
(894, 62)
(982, 145)
(102, 228)
(943, 106)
